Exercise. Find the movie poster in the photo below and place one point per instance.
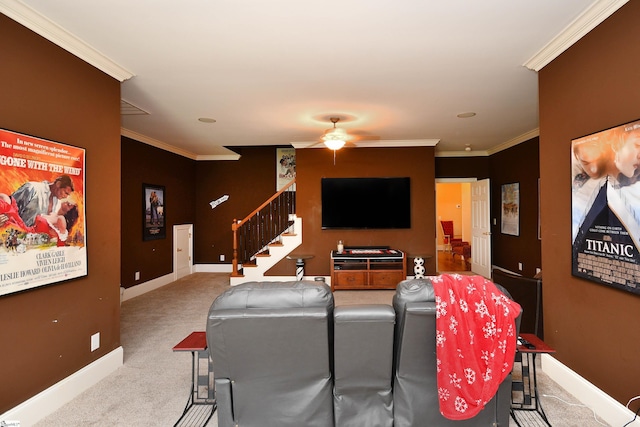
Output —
(605, 209)
(42, 215)
(510, 223)
(285, 167)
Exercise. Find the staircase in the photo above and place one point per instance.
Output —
(287, 242)
(265, 236)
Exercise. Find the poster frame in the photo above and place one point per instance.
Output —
(43, 228)
(154, 230)
(285, 168)
(605, 185)
(510, 209)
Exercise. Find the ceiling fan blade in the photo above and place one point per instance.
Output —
(364, 137)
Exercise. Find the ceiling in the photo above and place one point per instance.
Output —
(273, 73)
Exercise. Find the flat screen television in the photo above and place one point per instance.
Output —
(366, 203)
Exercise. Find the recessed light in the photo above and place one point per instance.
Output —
(466, 115)
(207, 120)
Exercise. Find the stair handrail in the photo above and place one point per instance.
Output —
(262, 226)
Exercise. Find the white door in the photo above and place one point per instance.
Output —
(481, 228)
(182, 250)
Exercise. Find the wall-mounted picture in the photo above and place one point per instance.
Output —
(285, 167)
(153, 212)
(605, 207)
(510, 205)
(42, 214)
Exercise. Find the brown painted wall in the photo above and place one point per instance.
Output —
(251, 180)
(45, 333)
(517, 164)
(313, 164)
(590, 87)
(153, 258)
(248, 182)
(462, 167)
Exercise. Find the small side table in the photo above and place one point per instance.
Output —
(202, 391)
(529, 346)
(299, 264)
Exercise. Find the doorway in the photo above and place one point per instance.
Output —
(182, 250)
(465, 200)
(453, 203)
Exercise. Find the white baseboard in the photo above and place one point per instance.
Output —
(607, 408)
(48, 401)
(145, 287)
(158, 282)
(213, 268)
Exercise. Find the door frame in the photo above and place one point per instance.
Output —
(176, 229)
(449, 181)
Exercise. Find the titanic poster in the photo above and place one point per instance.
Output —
(605, 207)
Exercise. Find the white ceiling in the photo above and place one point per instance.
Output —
(273, 72)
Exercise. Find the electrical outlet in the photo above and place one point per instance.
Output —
(137, 275)
(538, 270)
(95, 341)
(221, 257)
(520, 266)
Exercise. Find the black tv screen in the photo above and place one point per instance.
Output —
(366, 203)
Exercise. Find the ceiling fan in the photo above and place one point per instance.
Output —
(335, 138)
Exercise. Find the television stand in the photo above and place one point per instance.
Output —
(367, 268)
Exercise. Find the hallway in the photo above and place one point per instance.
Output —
(447, 263)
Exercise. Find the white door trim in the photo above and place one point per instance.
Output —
(448, 181)
(176, 229)
(481, 228)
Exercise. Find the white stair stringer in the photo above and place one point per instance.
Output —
(291, 239)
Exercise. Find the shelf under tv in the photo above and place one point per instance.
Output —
(367, 268)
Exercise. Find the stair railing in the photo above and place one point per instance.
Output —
(263, 226)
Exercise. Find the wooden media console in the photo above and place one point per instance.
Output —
(367, 268)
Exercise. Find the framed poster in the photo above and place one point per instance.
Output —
(285, 167)
(153, 212)
(510, 205)
(605, 207)
(42, 212)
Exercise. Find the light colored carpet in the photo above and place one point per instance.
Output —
(152, 387)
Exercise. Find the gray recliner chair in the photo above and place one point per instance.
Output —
(271, 346)
(415, 392)
(284, 357)
(363, 350)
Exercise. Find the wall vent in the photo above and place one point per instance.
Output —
(128, 109)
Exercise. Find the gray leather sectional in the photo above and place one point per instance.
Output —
(283, 355)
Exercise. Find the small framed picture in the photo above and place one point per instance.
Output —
(285, 167)
(153, 212)
(511, 209)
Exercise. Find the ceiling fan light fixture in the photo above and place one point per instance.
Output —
(335, 138)
(334, 144)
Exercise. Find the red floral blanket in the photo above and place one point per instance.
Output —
(476, 342)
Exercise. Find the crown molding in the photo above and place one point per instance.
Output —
(233, 156)
(383, 143)
(493, 150)
(514, 141)
(156, 143)
(587, 21)
(53, 32)
(175, 150)
(472, 153)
